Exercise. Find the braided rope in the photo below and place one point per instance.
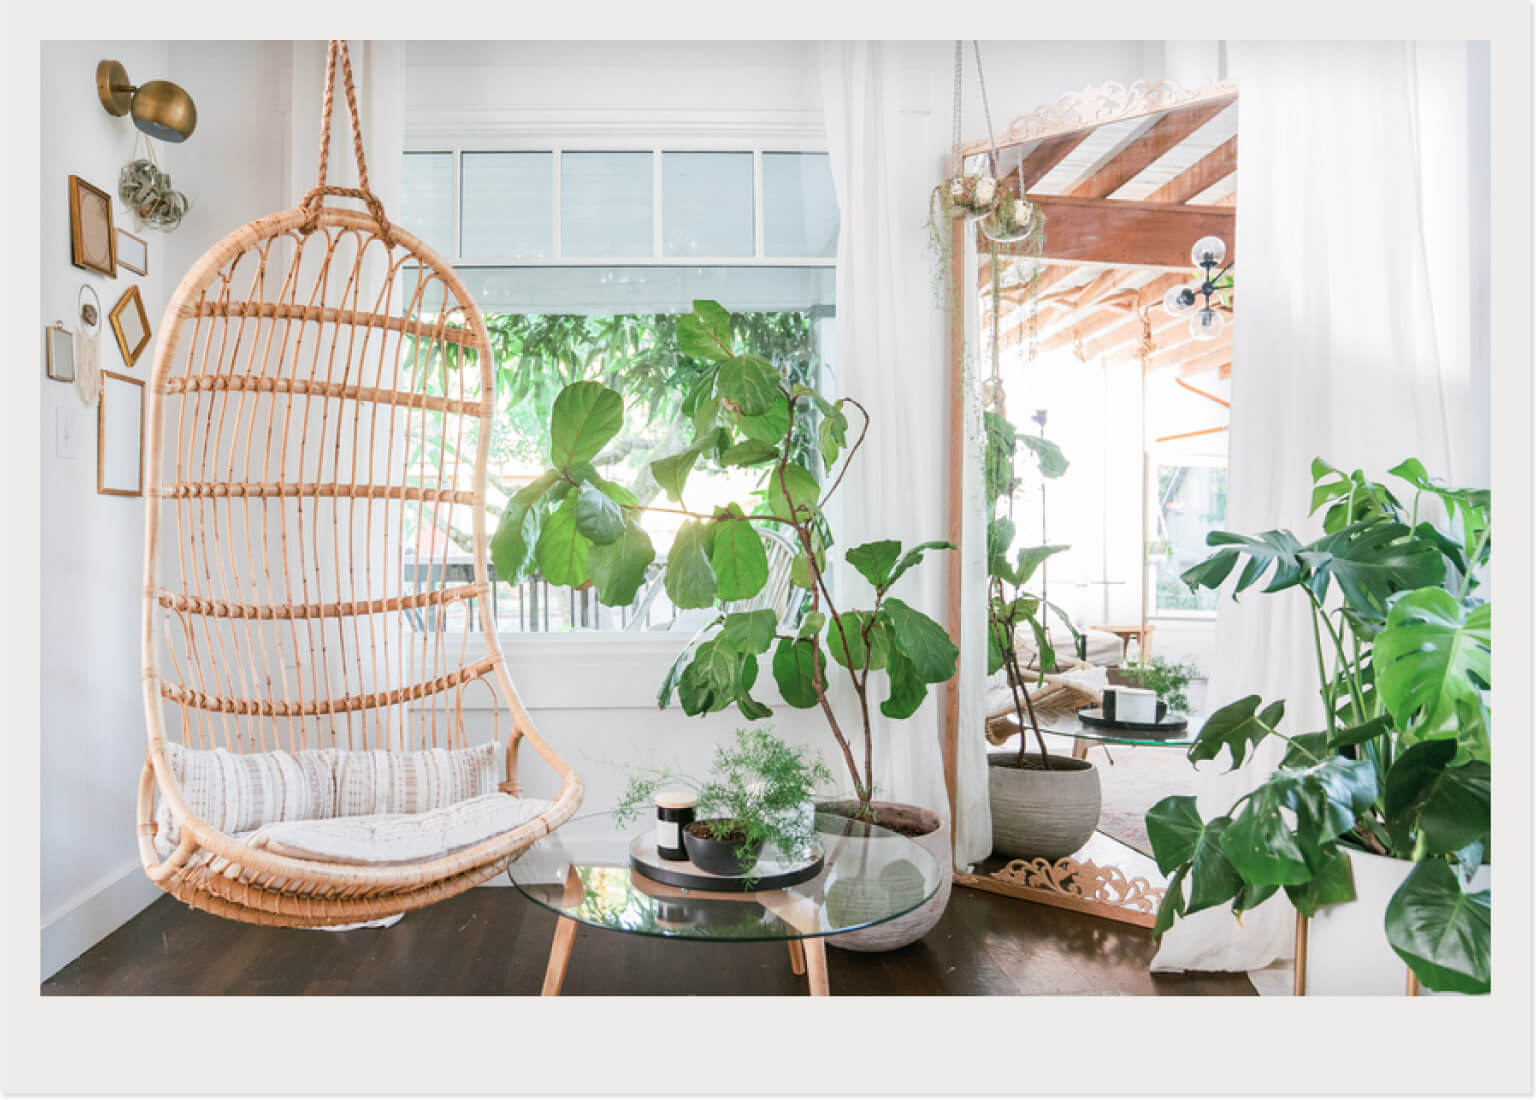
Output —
(315, 196)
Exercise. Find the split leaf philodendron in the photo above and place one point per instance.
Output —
(1404, 655)
(577, 528)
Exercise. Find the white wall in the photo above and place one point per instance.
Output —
(92, 546)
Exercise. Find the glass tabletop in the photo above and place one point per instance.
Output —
(869, 875)
(1070, 726)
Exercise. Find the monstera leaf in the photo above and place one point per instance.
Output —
(1236, 727)
(1372, 561)
(1443, 931)
(1432, 654)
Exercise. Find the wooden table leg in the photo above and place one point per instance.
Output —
(796, 956)
(1079, 749)
(559, 957)
(816, 966)
(565, 936)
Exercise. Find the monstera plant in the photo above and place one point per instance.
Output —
(578, 528)
(1403, 653)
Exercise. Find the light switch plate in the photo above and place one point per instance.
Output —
(63, 434)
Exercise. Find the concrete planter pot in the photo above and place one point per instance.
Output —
(1347, 949)
(1038, 812)
(873, 892)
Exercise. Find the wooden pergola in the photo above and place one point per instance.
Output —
(1127, 180)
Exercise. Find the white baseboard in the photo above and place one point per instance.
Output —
(95, 913)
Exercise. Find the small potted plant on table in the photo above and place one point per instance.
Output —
(1384, 814)
(760, 792)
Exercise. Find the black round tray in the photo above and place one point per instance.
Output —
(1171, 725)
(770, 874)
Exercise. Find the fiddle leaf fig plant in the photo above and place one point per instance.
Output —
(1404, 653)
(1009, 606)
(577, 528)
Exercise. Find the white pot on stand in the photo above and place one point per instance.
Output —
(1347, 949)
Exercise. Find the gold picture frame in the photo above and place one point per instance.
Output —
(120, 436)
(130, 324)
(59, 350)
(132, 252)
(92, 238)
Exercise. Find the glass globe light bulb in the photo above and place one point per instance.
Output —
(1179, 301)
(1206, 325)
(1208, 251)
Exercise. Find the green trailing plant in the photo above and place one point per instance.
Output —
(578, 528)
(1402, 769)
(1009, 606)
(1168, 678)
(760, 791)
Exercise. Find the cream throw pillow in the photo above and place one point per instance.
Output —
(380, 782)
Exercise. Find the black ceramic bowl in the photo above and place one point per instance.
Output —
(718, 857)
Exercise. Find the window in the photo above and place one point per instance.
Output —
(1190, 501)
(581, 262)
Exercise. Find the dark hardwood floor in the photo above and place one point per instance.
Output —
(494, 941)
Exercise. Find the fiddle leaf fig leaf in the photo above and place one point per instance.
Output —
(690, 579)
(750, 631)
(584, 418)
(793, 492)
(1432, 654)
(1030, 559)
(598, 517)
(739, 560)
(671, 473)
(913, 557)
(832, 434)
(618, 568)
(851, 627)
(907, 688)
(561, 549)
(1442, 930)
(1052, 462)
(874, 560)
(768, 427)
(922, 641)
(517, 533)
(709, 683)
(706, 332)
(749, 383)
(794, 670)
(1236, 727)
(749, 452)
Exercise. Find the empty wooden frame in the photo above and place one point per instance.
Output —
(120, 436)
(130, 324)
(92, 242)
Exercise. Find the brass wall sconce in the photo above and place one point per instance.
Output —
(161, 109)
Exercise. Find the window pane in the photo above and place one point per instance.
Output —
(1191, 502)
(706, 204)
(799, 205)
(605, 204)
(508, 207)
(594, 291)
(426, 199)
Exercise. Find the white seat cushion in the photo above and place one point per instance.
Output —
(400, 838)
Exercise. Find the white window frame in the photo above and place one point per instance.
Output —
(555, 668)
(1175, 456)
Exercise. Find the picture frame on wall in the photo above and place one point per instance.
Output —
(59, 351)
(92, 240)
(132, 252)
(130, 324)
(120, 436)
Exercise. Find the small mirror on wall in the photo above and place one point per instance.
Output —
(131, 325)
(120, 436)
(132, 252)
(59, 347)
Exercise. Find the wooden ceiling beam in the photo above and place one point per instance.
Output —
(1037, 164)
(1219, 356)
(1128, 161)
(1122, 342)
(1206, 172)
(1128, 234)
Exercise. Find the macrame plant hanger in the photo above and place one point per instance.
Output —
(283, 507)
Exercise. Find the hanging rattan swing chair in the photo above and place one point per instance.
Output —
(319, 423)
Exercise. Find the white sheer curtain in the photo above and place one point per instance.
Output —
(898, 486)
(1336, 356)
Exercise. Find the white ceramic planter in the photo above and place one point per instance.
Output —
(1347, 949)
(1041, 813)
(874, 893)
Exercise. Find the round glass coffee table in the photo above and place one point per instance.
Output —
(581, 872)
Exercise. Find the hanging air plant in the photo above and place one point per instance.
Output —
(146, 190)
(1011, 219)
